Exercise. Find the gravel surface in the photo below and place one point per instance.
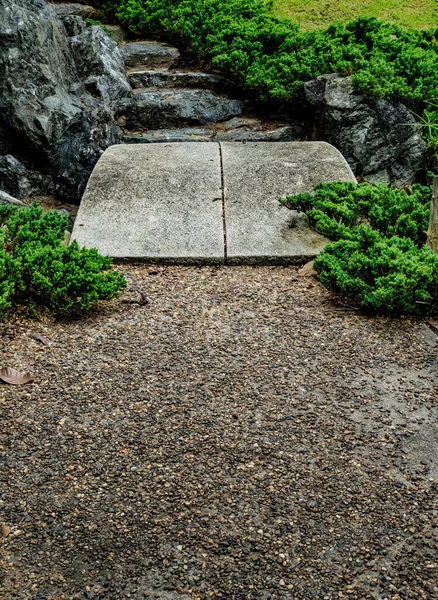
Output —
(241, 436)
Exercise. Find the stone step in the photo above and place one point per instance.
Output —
(166, 109)
(205, 203)
(149, 55)
(179, 79)
(75, 10)
(242, 134)
(168, 135)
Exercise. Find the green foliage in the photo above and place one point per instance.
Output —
(378, 257)
(428, 123)
(336, 209)
(273, 57)
(36, 268)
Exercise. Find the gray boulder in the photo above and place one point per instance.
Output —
(177, 108)
(100, 65)
(7, 199)
(379, 139)
(17, 180)
(51, 117)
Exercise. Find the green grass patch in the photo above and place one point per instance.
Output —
(311, 14)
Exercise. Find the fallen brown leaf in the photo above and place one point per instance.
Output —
(14, 377)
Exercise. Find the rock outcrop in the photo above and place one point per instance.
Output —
(379, 139)
(100, 65)
(17, 180)
(59, 120)
(7, 199)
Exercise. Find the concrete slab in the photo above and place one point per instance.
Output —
(155, 201)
(169, 202)
(256, 175)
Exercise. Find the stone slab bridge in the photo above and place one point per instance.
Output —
(206, 203)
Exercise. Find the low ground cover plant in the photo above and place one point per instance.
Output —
(271, 58)
(378, 255)
(38, 270)
(274, 57)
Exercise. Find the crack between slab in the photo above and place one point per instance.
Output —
(224, 226)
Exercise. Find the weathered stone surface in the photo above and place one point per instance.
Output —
(75, 10)
(177, 108)
(74, 25)
(18, 181)
(146, 55)
(116, 33)
(100, 65)
(174, 79)
(379, 139)
(155, 201)
(7, 199)
(51, 118)
(238, 122)
(169, 136)
(5, 145)
(258, 229)
(281, 134)
(164, 202)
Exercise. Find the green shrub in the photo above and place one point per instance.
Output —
(273, 57)
(379, 257)
(37, 269)
(336, 209)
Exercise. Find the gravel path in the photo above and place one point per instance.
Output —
(242, 436)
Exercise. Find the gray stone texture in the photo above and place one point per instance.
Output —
(244, 134)
(155, 201)
(198, 134)
(116, 33)
(50, 116)
(7, 199)
(21, 182)
(164, 202)
(168, 135)
(74, 25)
(5, 144)
(147, 55)
(256, 176)
(177, 79)
(176, 108)
(100, 65)
(379, 139)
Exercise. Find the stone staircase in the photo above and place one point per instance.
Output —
(170, 103)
